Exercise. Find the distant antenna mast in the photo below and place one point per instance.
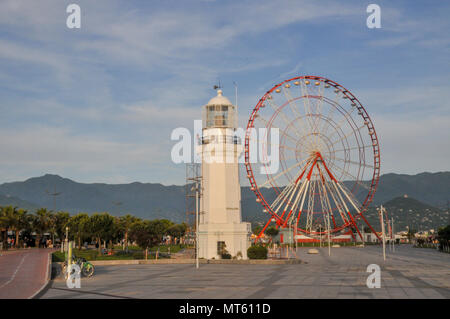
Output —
(235, 94)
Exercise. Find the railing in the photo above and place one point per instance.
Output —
(220, 139)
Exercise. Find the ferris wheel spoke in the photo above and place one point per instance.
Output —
(266, 124)
(272, 179)
(339, 205)
(319, 105)
(291, 206)
(293, 106)
(278, 202)
(310, 206)
(279, 111)
(282, 146)
(300, 208)
(354, 131)
(332, 111)
(354, 148)
(350, 199)
(346, 119)
(306, 102)
(342, 200)
(296, 141)
(354, 179)
(352, 162)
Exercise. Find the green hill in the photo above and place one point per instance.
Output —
(409, 212)
(149, 200)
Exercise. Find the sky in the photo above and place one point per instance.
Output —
(99, 103)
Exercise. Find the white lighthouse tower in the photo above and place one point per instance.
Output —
(220, 227)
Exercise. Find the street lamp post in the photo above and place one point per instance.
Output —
(67, 238)
(381, 210)
(196, 225)
(393, 234)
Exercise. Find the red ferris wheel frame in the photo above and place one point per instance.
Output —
(375, 148)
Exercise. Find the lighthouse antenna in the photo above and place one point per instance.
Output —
(235, 94)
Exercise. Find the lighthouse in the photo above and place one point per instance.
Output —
(221, 230)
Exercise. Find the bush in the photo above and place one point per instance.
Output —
(58, 257)
(139, 255)
(226, 256)
(122, 253)
(257, 252)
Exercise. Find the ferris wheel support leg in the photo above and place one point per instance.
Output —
(371, 228)
(351, 232)
(262, 231)
(357, 230)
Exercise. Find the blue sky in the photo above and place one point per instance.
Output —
(98, 104)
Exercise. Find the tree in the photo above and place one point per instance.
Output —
(272, 231)
(257, 230)
(149, 233)
(101, 227)
(7, 216)
(143, 233)
(79, 227)
(13, 219)
(444, 237)
(177, 230)
(42, 223)
(411, 234)
(125, 224)
(20, 222)
(164, 223)
(60, 222)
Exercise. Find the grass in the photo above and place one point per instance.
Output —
(130, 247)
(135, 252)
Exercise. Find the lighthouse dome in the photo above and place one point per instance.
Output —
(219, 99)
(219, 112)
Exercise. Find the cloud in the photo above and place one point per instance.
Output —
(410, 145)
(58, 149)
(113, 90)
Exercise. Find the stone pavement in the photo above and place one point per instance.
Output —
(407, 273)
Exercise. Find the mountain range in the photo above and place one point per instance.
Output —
(150, 200)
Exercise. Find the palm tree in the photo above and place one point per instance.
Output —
(19, 222)
(13, 219)
(42, 223)
(79, 227)
(125, 224)
(4, 226)
(101, 228)
(60, 221)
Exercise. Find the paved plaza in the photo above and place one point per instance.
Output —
(407, 273)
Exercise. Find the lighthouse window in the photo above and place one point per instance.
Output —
(217, 115)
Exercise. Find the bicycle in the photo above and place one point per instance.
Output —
(87, 269)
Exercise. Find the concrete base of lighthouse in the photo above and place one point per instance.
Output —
(234, 235)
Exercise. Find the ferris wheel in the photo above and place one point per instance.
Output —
(329, 157)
